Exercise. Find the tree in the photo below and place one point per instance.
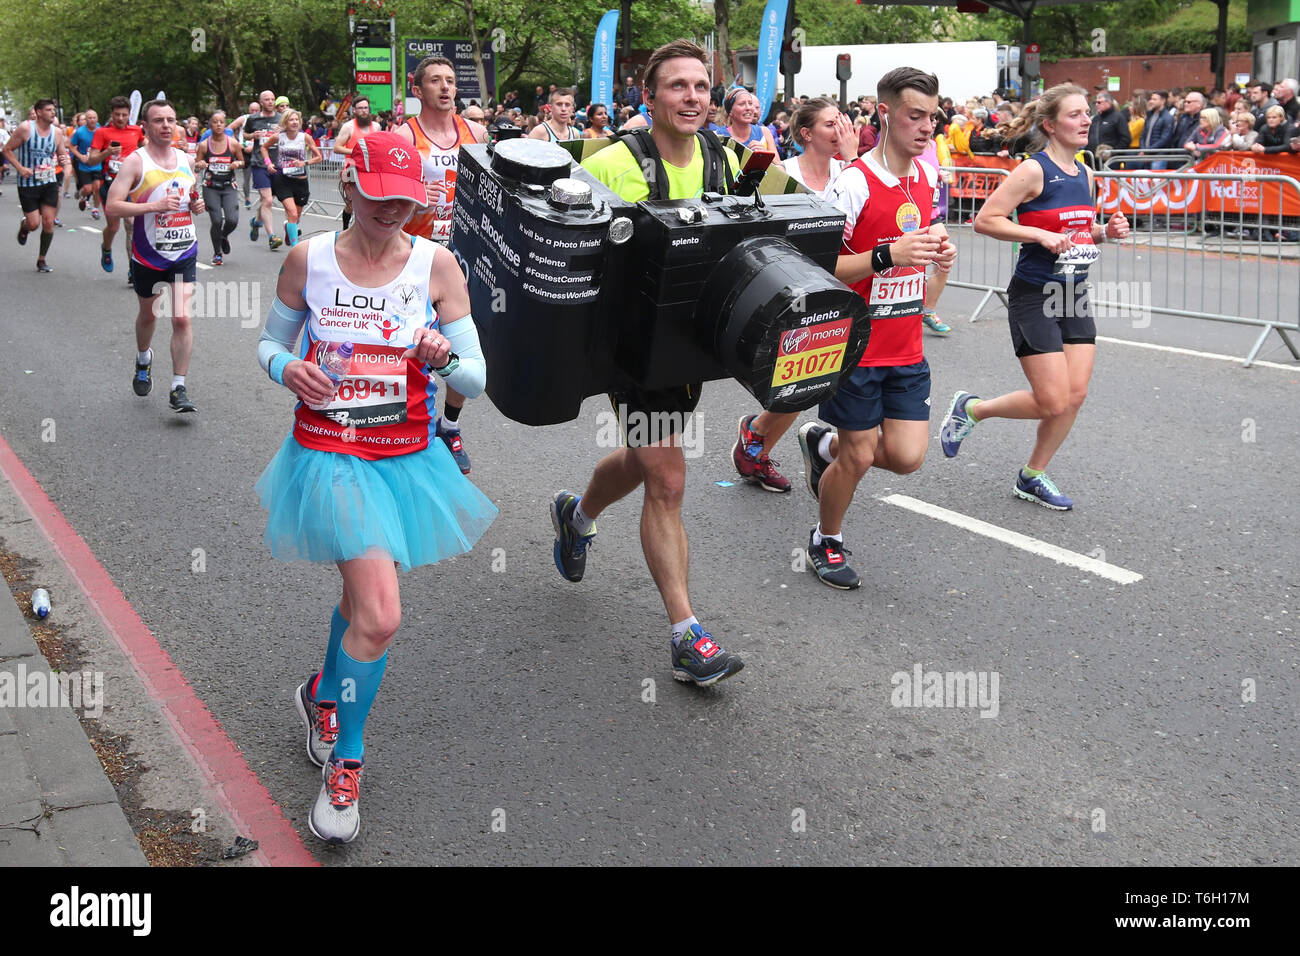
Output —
(828, 22)
(1126, 28)
(722, 25)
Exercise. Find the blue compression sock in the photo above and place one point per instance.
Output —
(359, 682)
(291, 230)
(327, 684)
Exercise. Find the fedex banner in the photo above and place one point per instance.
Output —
(1237, 197)
(1149, 195)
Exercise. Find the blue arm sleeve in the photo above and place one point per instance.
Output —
(274, 348)
(471, 376)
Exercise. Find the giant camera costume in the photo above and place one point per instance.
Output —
(577, 292)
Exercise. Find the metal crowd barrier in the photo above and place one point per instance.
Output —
(323, 181)
(1159, 269)
(983, 264)
(1237, 273)
(1171, 160)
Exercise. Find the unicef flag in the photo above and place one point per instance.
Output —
(769, 54)
(602, 59)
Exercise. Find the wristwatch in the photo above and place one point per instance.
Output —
(453, 363)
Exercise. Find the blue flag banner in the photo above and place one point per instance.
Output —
(770, 34)
(602, 60)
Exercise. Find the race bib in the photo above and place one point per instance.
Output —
(374, 392)
(894, 295)
(294, 167)
(219, 167)
(45, 173)
(173, 231)
(1077, 259)
(115, 165)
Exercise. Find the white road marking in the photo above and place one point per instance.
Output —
(203, 265)
(1209, 355)
(1041, 548)
(91, 228)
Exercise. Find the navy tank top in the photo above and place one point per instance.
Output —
(1065, 206)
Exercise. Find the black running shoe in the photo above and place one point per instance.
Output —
(810, 438)
(42, 267)
(225, 245)
(141, 381)
(22, 233)
(830, 564)
(697, 657)
(570, 547)
(180, 400)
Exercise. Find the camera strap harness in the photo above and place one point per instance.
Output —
(717, 171)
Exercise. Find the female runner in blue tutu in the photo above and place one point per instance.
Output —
(360, 481)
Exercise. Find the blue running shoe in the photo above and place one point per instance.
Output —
(956, 424)
(252, 230)
(697, 657)
(1042, 490)
(142, 382)
(570, 547)
(106, 259)
(935, 324)
(451, 438)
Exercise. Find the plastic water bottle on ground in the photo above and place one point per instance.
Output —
(41, 602)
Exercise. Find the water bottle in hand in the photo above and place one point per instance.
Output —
(335, 360)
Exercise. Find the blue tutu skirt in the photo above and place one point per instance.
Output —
(325, 506)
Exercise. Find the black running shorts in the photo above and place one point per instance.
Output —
(291, 187)
(32, 198)
(648, 416)
(1043, 318)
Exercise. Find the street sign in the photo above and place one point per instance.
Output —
(1032, 60)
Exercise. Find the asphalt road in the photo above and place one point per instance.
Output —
(1120, 736)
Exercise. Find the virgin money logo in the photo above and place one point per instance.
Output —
(794, 340)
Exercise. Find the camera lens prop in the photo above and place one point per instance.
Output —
(786, 329)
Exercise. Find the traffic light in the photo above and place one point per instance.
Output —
(843, 67)
(791, 57)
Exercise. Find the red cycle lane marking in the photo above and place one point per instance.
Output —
(240, 793)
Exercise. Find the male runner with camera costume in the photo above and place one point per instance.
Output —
(683, 162)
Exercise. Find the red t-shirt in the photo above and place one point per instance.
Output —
(879, 208)
(131, 138)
